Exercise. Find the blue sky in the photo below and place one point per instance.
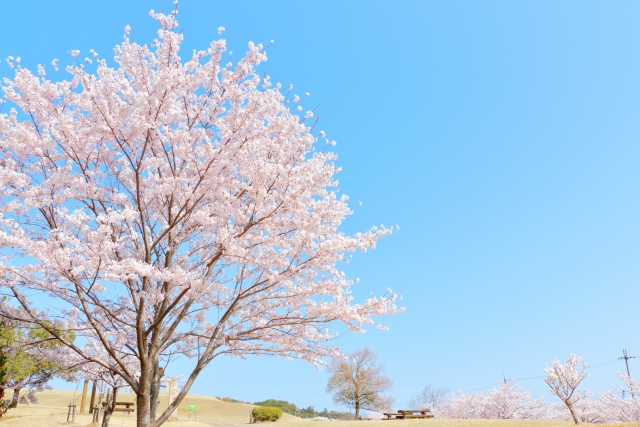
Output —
(502, 137)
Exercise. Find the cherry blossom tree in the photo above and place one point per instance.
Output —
(506, 401)
(107, 375)
(510, 401)
(564, 380)
(615, 408)
(462, 405)
(587, 411)
(168, 207)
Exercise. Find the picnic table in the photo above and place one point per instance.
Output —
(128, 407)
(405, 414)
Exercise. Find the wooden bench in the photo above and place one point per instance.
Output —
(392, 415)
(405, 414)
(416, 413)
(128, 407)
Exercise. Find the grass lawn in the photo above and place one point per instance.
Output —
(52, 411)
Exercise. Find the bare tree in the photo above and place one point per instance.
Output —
(429, 397)
(359, 382)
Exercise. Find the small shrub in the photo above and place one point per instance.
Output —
(266, 413)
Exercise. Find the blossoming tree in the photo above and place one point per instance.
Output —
(614, 407)
(506, 401)
(564, 380)
(172, 207)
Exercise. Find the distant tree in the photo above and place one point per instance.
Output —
(588, 411)
(106, 375)
(310, 412)
(286, 407)
(510, 401)
(359, 382)
(462, 406)
(506, 401)
(429, 397)
(116, 384)
(232, 400)
(31, 357)
(4, 404)
(564, 380)
(615, 408)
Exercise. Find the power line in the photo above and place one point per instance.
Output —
(597, 365)
(626, 361)
(530, 378)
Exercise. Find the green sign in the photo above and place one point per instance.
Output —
(192, 407)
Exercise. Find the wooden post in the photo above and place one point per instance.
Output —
(72, 412)
(83, 401)
(93, 397)
(173, 393)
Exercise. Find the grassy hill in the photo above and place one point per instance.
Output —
(52, 411)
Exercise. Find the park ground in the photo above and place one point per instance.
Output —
(51, 411)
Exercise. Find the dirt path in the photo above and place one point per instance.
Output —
(216, 422)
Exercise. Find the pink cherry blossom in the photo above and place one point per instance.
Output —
(564, 380)
(171, 207)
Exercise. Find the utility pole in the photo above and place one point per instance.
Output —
(626, 361)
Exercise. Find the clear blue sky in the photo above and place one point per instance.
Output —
(501, 136)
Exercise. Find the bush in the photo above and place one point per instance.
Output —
(266, 413)
(287, 408)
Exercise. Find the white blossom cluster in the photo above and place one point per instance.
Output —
(507, 401)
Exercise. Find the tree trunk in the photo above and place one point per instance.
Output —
(156, 378)
(357, 410)
(573, 414)
(143, 398)
(16, 396)
(110, 407)
(1, 402)
(96, 414)
(93, 397)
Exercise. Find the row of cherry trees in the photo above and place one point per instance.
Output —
(510, 401)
